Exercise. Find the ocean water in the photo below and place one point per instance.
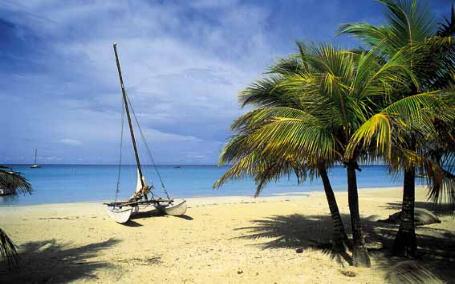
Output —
(78, 183)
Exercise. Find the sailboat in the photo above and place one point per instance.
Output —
(35, 165)
(144, 195)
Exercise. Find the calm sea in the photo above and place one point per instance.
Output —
(76, 183)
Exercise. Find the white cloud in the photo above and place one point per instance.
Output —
(183, 66)
(70, 142)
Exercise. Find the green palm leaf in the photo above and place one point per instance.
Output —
(8, 249)
(14, 181)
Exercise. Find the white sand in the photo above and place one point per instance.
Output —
(78, 241)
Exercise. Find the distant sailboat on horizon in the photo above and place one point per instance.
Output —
(35, 165)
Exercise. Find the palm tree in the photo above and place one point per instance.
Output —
(264, 165)
(343, 88)
(335, 91)
(11, 180)
(401, 134)
(430, 55)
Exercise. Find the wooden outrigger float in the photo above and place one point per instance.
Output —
(121, 211)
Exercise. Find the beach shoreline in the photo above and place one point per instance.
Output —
(218, 198)
(69, 184)
(221, 239)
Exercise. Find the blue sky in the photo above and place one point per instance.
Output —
(184, 63)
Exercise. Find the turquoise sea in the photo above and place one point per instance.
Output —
(76, 183)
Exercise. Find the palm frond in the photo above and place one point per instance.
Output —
(410, 114)
(287, 66)
(263, 168)
(7, 249)
(447, 27)
(301, 137)
(418, 110)
(379, 129)
(408, 22)
(411, 20)
(441, 183)
(370, 34)
(14, 181)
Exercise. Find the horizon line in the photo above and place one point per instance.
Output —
(102, 164)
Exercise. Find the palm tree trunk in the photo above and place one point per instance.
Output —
(340, 238)
(405, 242)
(359, 251)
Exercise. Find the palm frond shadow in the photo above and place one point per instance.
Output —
(50, 261)
(435, 261)
(436, 246)
(296, 231)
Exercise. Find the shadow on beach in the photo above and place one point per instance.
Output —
(155, 213)
(436, 251)
(49, 261)
(296, 232)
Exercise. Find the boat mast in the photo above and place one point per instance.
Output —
(35, 157)
(125, 101)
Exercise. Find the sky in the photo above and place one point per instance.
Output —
(184, 63)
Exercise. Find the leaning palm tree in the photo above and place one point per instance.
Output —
(264, 165)
(430, 54)
(11, 180)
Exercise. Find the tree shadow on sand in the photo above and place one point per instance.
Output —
(436, 259)
(49, 261)
(296, 232)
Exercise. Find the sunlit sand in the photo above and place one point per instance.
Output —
(221, 239)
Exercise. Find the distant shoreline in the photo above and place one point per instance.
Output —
(221, 199)
(81, 183)
(158, 165)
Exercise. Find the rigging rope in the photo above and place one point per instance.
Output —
(135, 118)
(120, 154)
(148, 149)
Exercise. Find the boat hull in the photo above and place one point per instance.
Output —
(120, 215)
(176, 210)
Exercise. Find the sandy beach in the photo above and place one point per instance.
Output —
(222, 239)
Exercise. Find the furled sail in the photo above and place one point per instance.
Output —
(138, 191)
(138, 182)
